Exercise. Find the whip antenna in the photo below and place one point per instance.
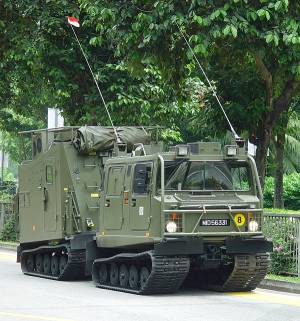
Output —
(236, 136)
(75, 22)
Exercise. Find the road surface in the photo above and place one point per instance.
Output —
(29, 298)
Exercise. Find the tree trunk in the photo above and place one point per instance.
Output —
(274, 110)
(279, 155)
(278, 187)
(264, 136)
(2, 159)
(2, 167)
(265, 128)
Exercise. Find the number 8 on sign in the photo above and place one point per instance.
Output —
(239, 219)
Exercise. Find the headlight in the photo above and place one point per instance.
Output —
(182, 150)
(171, 227)
(231, 150)
(253, 226)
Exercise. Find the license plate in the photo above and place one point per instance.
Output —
(214, 222)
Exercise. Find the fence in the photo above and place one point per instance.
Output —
(6, 210)
(284, 229)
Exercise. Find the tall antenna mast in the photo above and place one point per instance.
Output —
(75, 22)
(236, 136)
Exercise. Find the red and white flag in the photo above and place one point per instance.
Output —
(74, 22)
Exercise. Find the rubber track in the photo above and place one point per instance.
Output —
(166, 276)
(248, 272)
(74, 269)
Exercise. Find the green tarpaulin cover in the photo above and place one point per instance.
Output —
(98, 138)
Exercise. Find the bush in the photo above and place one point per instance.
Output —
(291, 191)
(269, 192)
(283, 231)
(281, 257)
(9, 230)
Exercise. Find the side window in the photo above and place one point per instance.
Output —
(142, 178)
(115, 180)
(49, 174)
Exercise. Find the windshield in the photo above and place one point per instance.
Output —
(207, 176)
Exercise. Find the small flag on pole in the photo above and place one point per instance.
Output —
(74, 22)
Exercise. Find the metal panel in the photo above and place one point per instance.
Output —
(113, 210)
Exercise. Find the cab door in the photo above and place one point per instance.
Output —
(49, 196)
(140, 204)
(113, 207)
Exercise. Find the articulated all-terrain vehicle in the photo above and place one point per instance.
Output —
(137, 218)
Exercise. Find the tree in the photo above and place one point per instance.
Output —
(279, 143)
(44, 67)
(263, 34)
(284, 152)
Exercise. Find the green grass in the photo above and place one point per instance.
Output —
(281, 211)
(275, 277)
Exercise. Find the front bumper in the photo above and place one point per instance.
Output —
(248, 245)
(199, 234)
(188, 245)
(179, 246)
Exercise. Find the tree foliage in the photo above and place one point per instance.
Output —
(291, 191)
(261, 37)
(45, 68)
(250, 49)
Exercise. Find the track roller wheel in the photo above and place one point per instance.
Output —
(114, 274)
(141, 273)
(47, 263)
(102, 273)
(39, 264)
(123, 275)
(133, 277)
(144, 275)
(29, 263)
(56, 262)
(54, 265)
(63, 260)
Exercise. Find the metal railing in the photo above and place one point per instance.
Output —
(284, 229)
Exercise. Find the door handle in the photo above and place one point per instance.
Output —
(45, 195)
(107, 203)
(133, 202)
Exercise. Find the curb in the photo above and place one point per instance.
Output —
(280, 286)
(7, 246)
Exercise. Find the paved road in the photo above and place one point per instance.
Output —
(30, 298)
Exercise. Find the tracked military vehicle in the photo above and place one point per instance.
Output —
(138, 218)
(112, 203)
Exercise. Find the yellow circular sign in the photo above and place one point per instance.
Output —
(239, 219)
